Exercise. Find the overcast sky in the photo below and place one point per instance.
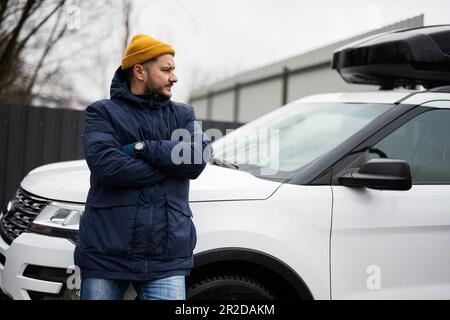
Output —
(215, 39)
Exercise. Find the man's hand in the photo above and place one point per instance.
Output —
(128, 149)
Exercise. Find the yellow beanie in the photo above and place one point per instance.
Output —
(143, 48)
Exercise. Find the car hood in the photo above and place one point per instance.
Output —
(69, 181)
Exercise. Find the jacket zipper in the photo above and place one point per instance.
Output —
(148, 232)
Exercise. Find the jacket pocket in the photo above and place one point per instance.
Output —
(110, 230)
(157, 238)
(181, 238)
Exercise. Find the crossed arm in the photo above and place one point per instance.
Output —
(179, 159)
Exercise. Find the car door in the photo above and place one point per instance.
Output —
(396, 244)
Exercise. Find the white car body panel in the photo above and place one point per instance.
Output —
(424, 97)
(360, 97)
(69, 182)
(65, 181)
(413, 97)
(293, 226)
(402, 234)
(33, 249)
(442, 104)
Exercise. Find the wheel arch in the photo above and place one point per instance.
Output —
(265, 267)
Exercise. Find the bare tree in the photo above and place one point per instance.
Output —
(22, 21)
(38, 41)
(43, 54)
(55, 35)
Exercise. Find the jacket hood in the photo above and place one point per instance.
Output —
(119, 90)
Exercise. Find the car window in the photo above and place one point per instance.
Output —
(303, 133)
(425, 143)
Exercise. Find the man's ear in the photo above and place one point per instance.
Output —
(138, 71)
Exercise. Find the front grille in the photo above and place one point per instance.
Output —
(22, 213)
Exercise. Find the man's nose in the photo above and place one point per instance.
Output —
(173, 78)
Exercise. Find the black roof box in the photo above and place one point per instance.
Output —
(405, 58)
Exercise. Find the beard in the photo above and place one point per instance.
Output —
(151, 87)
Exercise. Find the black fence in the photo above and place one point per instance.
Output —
(34, 136)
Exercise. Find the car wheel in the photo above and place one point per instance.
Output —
(229, 287)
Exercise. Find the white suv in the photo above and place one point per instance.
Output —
(334, 196)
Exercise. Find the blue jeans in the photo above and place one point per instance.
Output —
(171, 288)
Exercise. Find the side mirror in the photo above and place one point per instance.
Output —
(380, 174)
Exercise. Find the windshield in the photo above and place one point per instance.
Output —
(282, 143)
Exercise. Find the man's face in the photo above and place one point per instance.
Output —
(159, 76)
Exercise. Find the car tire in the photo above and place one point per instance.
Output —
(229, 287)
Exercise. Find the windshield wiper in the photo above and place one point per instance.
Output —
(224, 164)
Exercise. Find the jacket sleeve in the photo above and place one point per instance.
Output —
(182, 159)
(105, 159)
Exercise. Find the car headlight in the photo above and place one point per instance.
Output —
(59, 219)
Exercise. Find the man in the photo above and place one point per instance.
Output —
(137, 225)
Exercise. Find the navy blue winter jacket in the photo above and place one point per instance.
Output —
(137, 224)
